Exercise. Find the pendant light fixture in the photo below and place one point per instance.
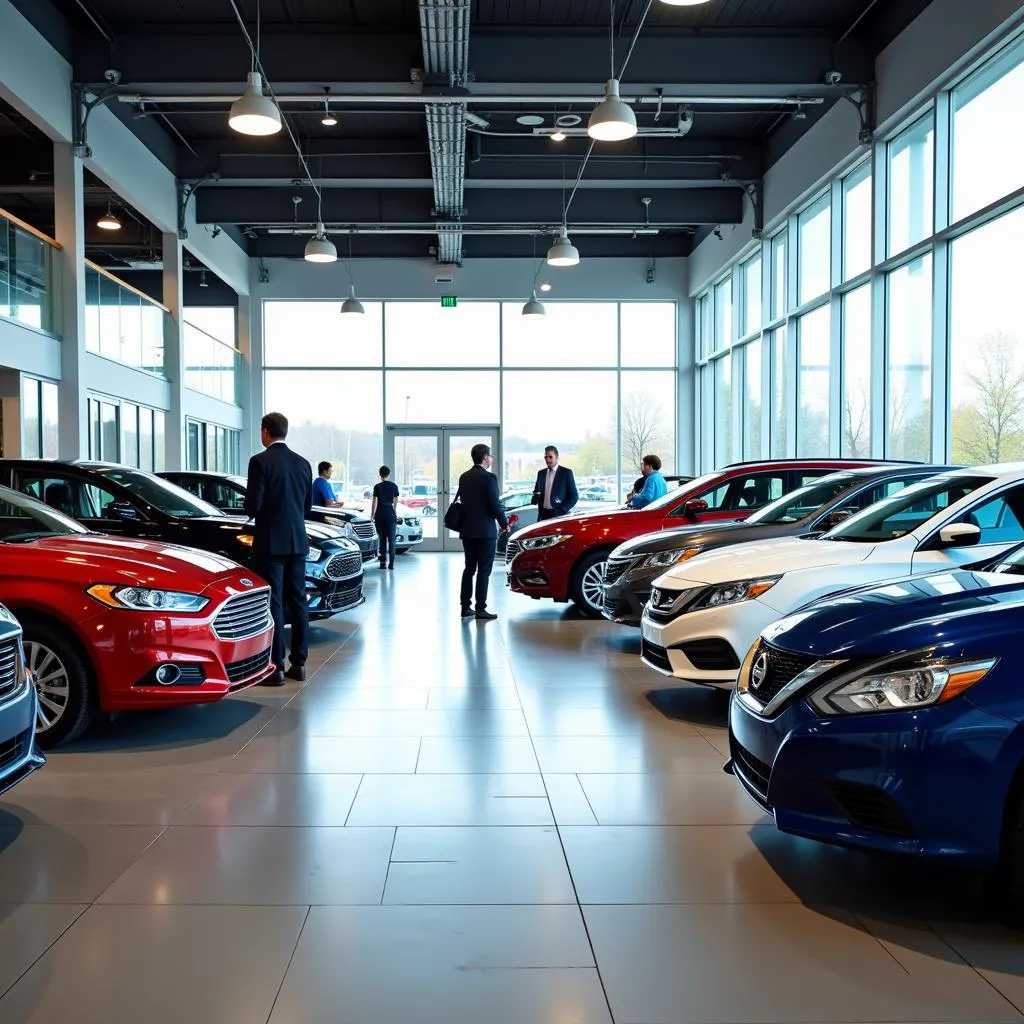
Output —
(328, 118)
(320, 249)
(253, 113)
(612, 120)
(563, 253)
(108, 221)
(351, 306)
(534, 308)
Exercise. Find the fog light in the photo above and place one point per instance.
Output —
(167, 675)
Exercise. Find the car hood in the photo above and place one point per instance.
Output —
(700, 536)
(596, 520)
(316, 532)
(346, 514)
(904, 614)
(96, 558)
(768, 557)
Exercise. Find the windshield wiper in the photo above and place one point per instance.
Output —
(25, 538)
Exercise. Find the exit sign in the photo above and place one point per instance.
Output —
(449, 301)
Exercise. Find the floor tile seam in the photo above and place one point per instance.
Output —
(288, 966)
(83, 909)
(387, 872)
(135, 860)
(348, 813)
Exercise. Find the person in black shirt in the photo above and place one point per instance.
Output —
(384, 511)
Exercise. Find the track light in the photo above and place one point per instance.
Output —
(558, 136)
(352, 306)
(328, 119)
(320, 249)
(534, 308)
(612, 120)
(253, 113)
(563, 253)
(108, 221)
(203, 283)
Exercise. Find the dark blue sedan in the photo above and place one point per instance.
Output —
(892, 718)
(19, 753)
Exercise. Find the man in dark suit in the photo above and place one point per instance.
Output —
(555, 491)
(278, 496)
(481, 511)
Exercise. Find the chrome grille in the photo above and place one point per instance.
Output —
(8, 667)
(511, 550)
(777, 668)
(340, 599)
(239, 670)
(243, 616)
(363, 530)
(344, 565)
(616, 568)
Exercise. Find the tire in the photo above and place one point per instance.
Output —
(586, 584)
(66, 697)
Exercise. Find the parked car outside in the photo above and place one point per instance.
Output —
(409, 526)
(704, 614)
(564, 559)
(20, 755)
(127, 502)
(226, 491)
(112, 624)
(891, 718)
(806, 512)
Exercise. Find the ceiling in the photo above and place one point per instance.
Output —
(720, 90)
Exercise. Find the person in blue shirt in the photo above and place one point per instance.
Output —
(323, 492)
(654, 483)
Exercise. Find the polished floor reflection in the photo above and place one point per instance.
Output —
(460, 823)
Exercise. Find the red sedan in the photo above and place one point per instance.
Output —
(564, 558)
(116, 625)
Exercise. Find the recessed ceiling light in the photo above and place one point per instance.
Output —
(568, 120)
(545, 287)
(530, 120)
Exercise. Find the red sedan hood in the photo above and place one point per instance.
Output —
(585, 520)
(94, 558)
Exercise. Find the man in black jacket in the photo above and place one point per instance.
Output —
(481, 510)
(278, 496)
(555, 491)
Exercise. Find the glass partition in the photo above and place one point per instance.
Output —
(211, 367)
(28, 269)
(123, 324)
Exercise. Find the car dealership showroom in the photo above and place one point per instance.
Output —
(511, 511)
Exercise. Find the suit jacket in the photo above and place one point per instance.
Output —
(279, 495)
(563, 490)
(481, 509)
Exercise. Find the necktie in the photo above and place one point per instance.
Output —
(547, 488)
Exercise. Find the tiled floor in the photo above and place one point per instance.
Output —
(458, 823)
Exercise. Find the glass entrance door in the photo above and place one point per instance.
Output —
(426, 464)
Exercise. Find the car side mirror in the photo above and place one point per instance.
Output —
(959, 535)
(695, 506)
(121, 510)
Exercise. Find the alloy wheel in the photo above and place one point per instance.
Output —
(592, 585)
(50, 678)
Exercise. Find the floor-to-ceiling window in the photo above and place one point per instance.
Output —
(596, 379)
(895, 327)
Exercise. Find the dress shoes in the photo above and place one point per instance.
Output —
(277, 679)
(468, 613)
(485, 616)
(297, 672)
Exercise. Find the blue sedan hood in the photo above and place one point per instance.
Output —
(910, 613)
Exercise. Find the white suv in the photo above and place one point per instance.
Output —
(705, 614)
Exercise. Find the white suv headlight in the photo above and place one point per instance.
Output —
(733, 593)
(538, 543)
(663, 559)
(901, 689)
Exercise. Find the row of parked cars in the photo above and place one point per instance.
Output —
(123, 591)
(866, 617)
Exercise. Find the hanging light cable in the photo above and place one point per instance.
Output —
(612, 120)
(253, 113)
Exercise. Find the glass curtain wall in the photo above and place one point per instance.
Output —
(596, 379)
(895, 329)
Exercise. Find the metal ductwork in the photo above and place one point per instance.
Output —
(444, 30)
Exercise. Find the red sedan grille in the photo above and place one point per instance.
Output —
(243, 616)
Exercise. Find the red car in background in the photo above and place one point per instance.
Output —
(564, 558)
(114, 624)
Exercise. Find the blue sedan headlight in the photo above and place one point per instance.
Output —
(899, 689)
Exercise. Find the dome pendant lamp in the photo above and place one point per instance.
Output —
(108, 221)
(534, 309)
(320, 249)
(352, 306)
(253, 113)
(612, 120)
(563, 253)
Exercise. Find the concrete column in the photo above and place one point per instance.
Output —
(174, 350)
(254, 399)
(250, 385)
(69, 218)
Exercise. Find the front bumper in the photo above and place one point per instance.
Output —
(931, 783)
(624, 599)
(538, 574)
(20, 755)
(331, 592)
(705, 646)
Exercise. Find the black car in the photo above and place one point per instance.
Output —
(130, 503)
(226, 491)
(810, 511)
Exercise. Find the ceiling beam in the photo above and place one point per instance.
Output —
(610, 207)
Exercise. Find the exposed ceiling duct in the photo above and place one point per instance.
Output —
(444, 30)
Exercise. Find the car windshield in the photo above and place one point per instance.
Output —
(906, 510)
(161, 494)
(23, 519)
(805, 501)
(675, 493)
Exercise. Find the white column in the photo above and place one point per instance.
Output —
(174, 351)
(69, 219)
(253, 403)
(251, 383)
